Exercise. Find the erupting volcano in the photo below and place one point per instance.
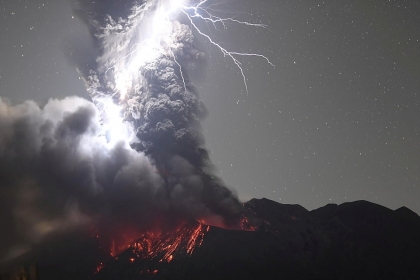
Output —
(146, 101)
(133, 163)
(119, 185)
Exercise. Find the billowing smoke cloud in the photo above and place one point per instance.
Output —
(57, 173)
(159, 100)
(60, 169)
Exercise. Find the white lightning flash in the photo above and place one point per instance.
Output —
(162, 40)
(114, 128)
(209, 18)
(154, 31)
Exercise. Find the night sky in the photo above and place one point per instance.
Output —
(336, 120)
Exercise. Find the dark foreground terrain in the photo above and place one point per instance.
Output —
(356, 240)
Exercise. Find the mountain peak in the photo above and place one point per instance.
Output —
(355, 240)
(352, 240)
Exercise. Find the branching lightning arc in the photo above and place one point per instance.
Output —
(163, 40)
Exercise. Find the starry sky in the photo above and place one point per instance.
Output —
(336, 120)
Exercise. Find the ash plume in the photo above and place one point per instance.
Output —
(159, 102)
(60, 168)
(57, 174)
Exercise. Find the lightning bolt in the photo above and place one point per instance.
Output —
(159, 43)
(209, 18)
(163, 41)
(212, 18)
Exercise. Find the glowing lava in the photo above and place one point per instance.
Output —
(153, 248)
(185, 238)
(162, 247)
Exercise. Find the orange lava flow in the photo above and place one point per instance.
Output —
(196, 239)
(164, 246)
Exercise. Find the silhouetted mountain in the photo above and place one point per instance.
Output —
(356, 240)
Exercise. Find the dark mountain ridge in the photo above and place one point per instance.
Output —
(355, 240)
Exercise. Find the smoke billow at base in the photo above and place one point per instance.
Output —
(62, 181)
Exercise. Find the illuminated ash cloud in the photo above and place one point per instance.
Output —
(142, 67)
(56, 174)
(132, 160)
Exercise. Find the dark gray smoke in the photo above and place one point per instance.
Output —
(58, 173)
(164, 108)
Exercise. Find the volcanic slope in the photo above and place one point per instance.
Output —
(355, 240)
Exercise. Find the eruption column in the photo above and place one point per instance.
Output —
(152, 171)
(142, 68)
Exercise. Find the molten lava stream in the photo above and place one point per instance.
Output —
(165, 246)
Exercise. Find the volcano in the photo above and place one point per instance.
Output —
(355, 240)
